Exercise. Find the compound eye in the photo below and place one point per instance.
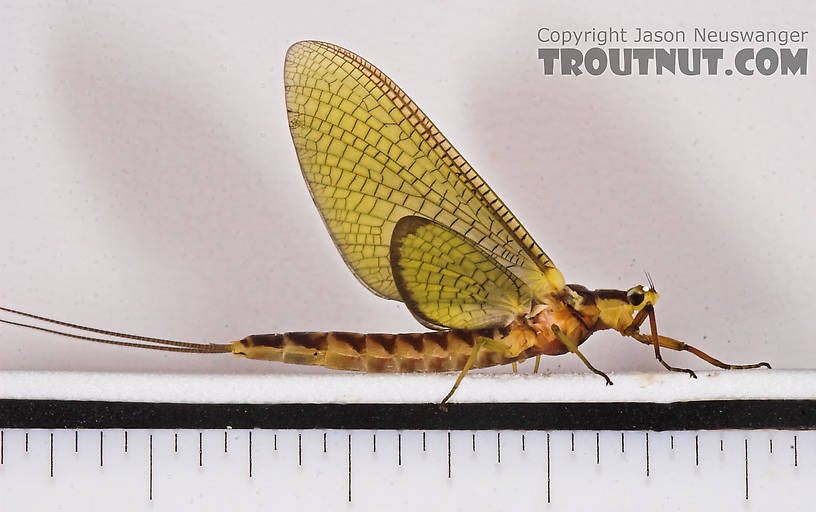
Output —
(635, 297)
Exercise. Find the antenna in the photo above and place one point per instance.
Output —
(649, 278)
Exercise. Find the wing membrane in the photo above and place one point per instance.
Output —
(370, 157)
(447, 280)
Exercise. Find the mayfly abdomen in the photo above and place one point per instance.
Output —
(436, 351)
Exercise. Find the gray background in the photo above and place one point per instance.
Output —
(149, 183)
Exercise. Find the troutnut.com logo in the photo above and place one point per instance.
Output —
(676, 52)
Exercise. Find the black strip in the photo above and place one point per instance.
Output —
(699, 415)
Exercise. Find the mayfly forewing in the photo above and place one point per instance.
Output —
(446, 279)
(370, 157)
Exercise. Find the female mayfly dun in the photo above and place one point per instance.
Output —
(415, 223)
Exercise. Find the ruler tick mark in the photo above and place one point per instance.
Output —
(672, 442)
(572, 441)
(324, 442)
(349, 468)
(125, 441)
(101, 460)
(795, 452)
(548, 467)
(399, 449)
(498, 447)
(696, 450)
(746, 469)
(770, 445)
(449, 456)
(150, 467)
(249, 452)
(374, 442)
(225, 441)
(76, 441)
(300, 451)
(200, 450)
(597, 448)
(175, 443)
(623, 446)
(423, 441)
(721, 445)
(51, 449)
(522, 442)
(647, 454)
(473, 442)
(26, 442)
(2, 445)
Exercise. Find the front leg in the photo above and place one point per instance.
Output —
(634, 331)
(673, 344)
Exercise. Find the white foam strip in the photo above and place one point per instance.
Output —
(368, 388)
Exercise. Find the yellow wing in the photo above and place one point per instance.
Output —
(370, 157)
(448, 281)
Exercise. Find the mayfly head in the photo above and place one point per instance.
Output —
(640, 296)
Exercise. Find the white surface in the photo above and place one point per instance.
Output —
(149, 184)
(687, 470)
(367, 388)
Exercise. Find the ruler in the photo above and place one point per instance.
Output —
(145, 469)
(79, 441)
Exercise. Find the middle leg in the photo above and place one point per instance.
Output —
(563, 338)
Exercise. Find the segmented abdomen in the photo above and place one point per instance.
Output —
(395, 353)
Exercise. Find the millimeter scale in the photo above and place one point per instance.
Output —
(360, 442)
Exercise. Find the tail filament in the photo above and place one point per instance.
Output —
(148, 342)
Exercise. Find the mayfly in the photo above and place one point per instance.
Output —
(415, 223)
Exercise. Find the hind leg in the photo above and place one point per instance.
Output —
(481, 343)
